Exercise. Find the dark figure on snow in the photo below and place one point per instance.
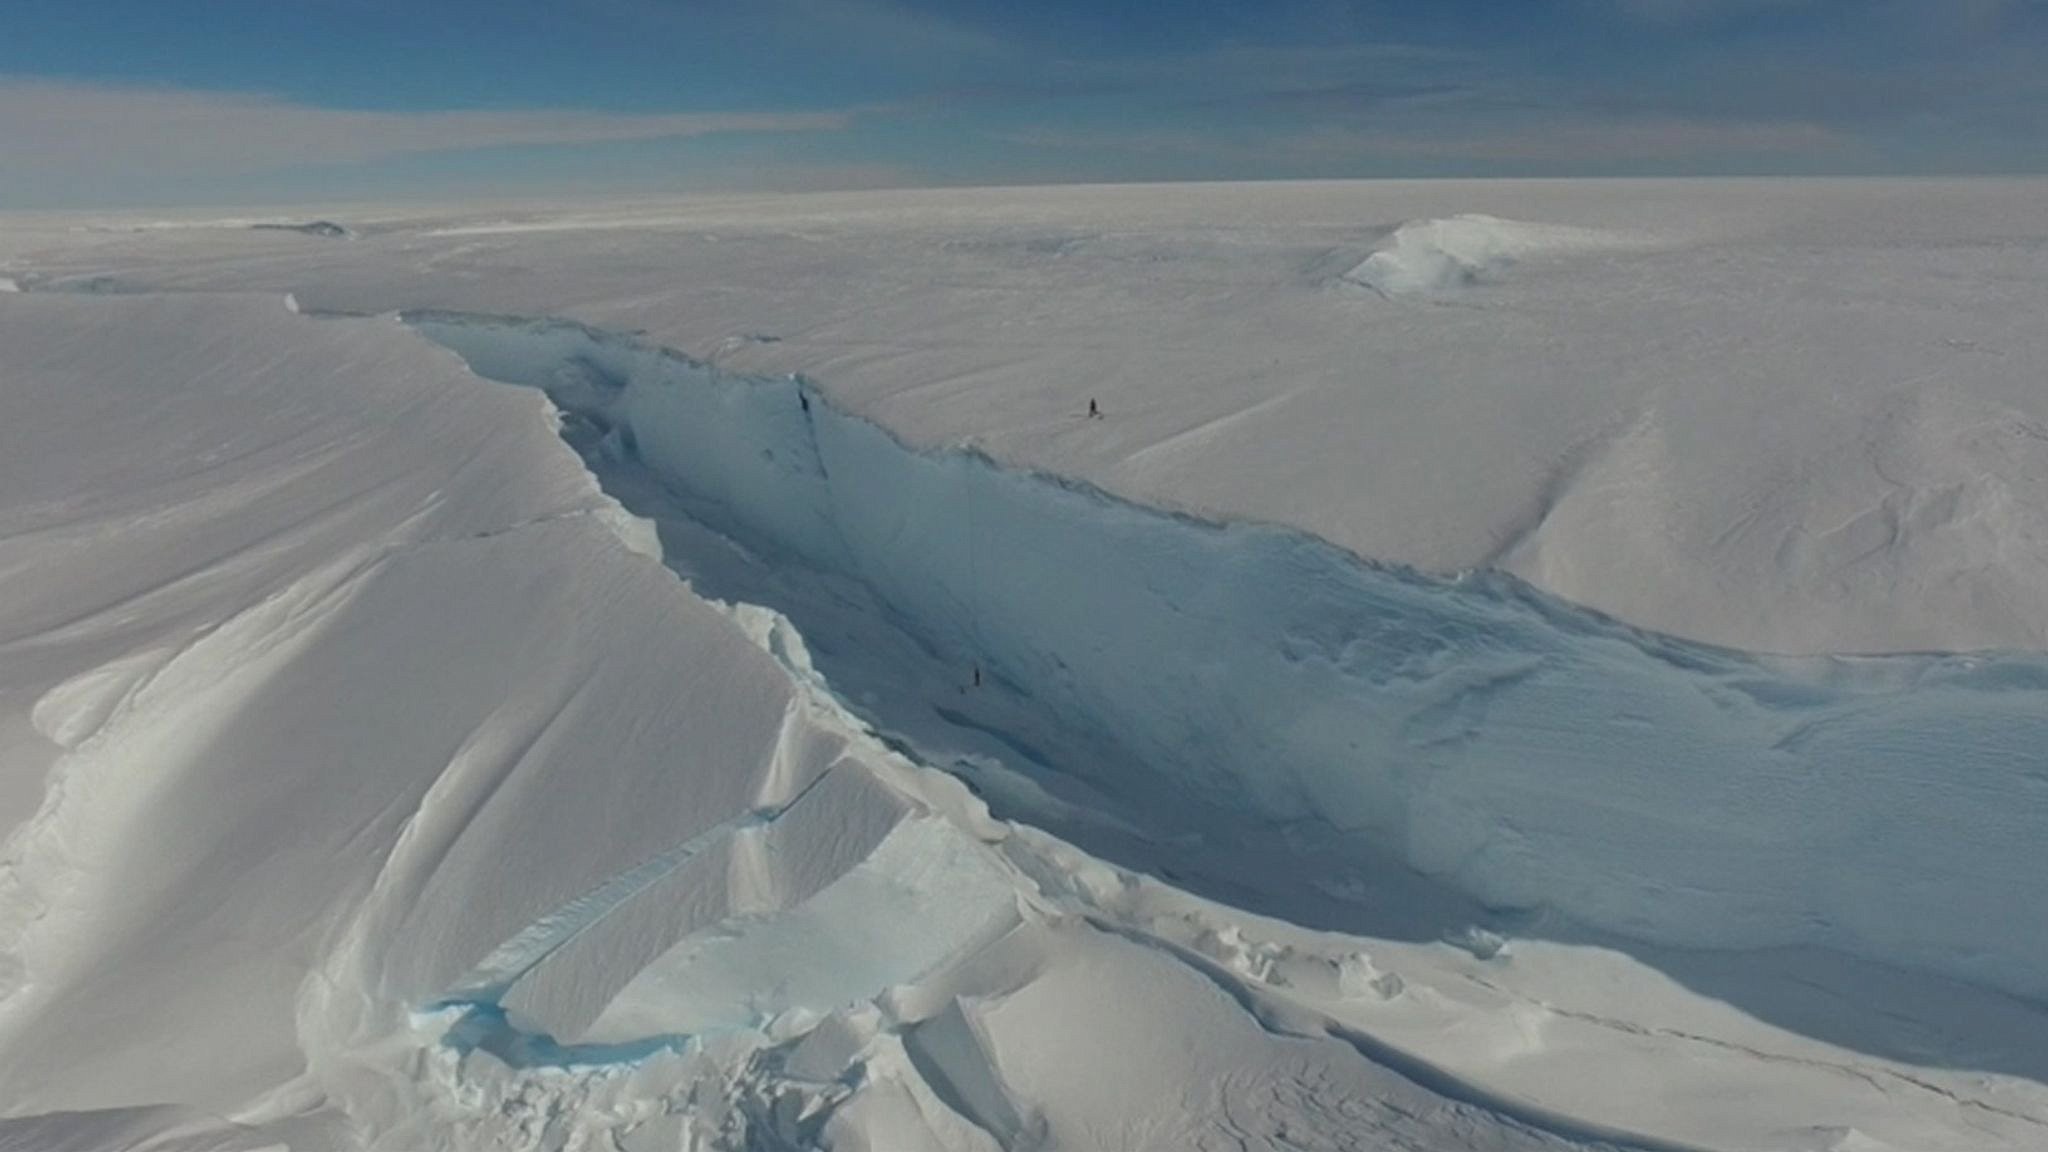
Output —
(1094, 412)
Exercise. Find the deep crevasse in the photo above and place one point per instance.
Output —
(1529, 752)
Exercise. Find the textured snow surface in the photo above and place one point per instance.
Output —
(1791, 416)
(369, 779)
(1530, 753)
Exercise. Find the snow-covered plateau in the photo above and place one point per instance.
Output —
(1513, 666)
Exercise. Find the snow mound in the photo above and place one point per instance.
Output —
(1437, 255)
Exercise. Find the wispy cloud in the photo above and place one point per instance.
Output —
(1596, 142)
(60, 132)
(954, 91)
(881, 46)
(1531, 143)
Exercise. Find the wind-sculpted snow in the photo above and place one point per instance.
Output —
(367, 785)
(1527, 752)
(1425, 256)
(371, 785)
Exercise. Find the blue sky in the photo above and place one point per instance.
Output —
(182, 101)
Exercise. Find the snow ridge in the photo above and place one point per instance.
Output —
(1533, 754)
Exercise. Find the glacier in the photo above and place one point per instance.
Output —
(395, 797)
(837, 741)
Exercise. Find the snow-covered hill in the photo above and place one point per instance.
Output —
(997, 777)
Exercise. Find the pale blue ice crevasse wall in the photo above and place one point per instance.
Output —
(1529, 752)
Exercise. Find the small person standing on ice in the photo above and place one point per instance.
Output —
(1094, 412)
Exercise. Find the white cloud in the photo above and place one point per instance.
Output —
(1525, 141)
(1591, 141)
(57, 132)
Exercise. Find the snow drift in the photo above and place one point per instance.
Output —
(1424, 256)
(1533, 754)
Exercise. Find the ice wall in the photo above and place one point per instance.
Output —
(1527, 751)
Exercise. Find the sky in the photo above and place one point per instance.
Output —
(141, 102)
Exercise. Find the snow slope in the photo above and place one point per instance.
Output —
(370, 784)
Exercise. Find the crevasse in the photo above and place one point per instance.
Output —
(1249, 680)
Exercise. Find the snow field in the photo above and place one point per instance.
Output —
(369, 787)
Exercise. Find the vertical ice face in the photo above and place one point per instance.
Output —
(1530, 753)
